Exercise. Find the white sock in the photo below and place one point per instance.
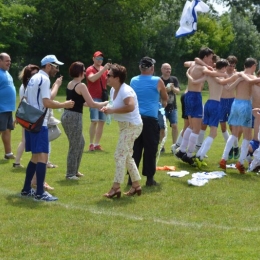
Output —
(228, 146)
(244, 150)
(192, 143)
(179, 139)
(185, 140)
(225, 135)
(235, 143)
(200, 138)
(205, 146)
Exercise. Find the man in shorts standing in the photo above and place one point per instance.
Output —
(172, 87)
(38, 95)
(96, 76)
(7, 104)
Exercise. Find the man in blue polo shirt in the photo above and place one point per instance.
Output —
(38, 95)
(7, 104)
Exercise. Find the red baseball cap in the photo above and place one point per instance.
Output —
(98, 53)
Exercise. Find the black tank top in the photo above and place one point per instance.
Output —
(78, 99)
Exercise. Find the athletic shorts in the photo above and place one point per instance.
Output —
(211, 113)
(6, 121)
(95, 114)
(254, 144)
(183, 115)
(193, 104)
(225, 108)
(37, 142)
(241, 113)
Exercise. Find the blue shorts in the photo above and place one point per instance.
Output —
(254, 144)
(6, 121)
(95, 114)
(37, 142)
(241, 113)
(193, 104)
(171, 116)
(211, 113)
(225, 108)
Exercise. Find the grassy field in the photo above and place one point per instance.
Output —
(172, 221)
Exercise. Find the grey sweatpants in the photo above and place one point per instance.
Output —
(72, 124)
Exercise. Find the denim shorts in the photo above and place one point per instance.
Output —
(37, 142)
(171, 116)
(95, 114)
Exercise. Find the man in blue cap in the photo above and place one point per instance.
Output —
(38, 95)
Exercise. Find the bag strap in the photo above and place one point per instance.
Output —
(99, 78)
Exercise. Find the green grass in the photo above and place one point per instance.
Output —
(172, 221)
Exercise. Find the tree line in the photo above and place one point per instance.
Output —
(125, 31)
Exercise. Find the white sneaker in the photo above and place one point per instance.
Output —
(75, 178)
(174, 148)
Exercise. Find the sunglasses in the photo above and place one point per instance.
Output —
(109, 75)
(55, 65)
(99, 58)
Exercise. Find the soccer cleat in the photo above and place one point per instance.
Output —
(240, 167)
(223, 164)
(46, 196)
(236, 152)
(91, 147)
(187, 159)
(180, 154)
(30, 193)
(199, 163)
(230, 155)
(98, 148)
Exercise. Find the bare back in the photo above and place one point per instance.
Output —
(256, 96)
(244, 89)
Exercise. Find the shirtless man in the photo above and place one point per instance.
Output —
(211, 111)
(226, 101)
(241, 114)
(193, 105)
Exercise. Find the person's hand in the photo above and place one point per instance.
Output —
(58, 81)
(107, 66)
(69, 104)
(210, 68)
(107, 110)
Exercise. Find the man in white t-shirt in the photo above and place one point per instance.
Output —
(38, 95)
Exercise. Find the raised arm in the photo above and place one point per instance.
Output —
(227, 80)
(195, 81)
(234, 84)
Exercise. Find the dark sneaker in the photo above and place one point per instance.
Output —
(151, 183)
(46, 196)
(179, 154)
(30, 193)
(188, 160)
(236, 152)
(230, 155)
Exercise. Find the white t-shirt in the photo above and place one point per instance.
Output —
(124, 92)
(41, 78)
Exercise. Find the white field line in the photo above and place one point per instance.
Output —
(171, 222)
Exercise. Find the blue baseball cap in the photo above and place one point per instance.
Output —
(50, 59)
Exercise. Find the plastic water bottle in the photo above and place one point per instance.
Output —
(108, 116)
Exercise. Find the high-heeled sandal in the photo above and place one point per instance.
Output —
(134, 190)
(113, 192)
